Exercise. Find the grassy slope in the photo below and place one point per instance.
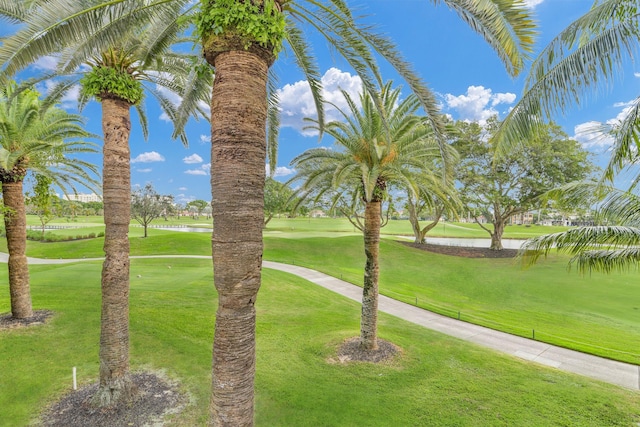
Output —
(596, 314)
(438, 381)
(402, 227)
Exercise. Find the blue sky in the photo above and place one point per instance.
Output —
(469, 80)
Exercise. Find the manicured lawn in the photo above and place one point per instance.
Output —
(302, 227)
(305, 227)
(598, 314)
(437, 381)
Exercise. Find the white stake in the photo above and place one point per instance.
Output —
(75, 384)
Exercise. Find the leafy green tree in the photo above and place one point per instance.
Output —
(276, 199)
(34, 136)
(241, 40)
(42, 200)
(500, 187)
(95, 208)
(147, 205)
(434, 197)
(198, 206)
(372, 154)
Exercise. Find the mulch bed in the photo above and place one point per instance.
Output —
(463, 251)
(40, 317)
(351, 351)
(154, 399)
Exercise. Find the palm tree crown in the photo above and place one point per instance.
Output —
(372, 152)
(34, 136)
(376, 147)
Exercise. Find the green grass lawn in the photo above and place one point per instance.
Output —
(599, 314)
(302, 227)
(314, 227)
(437, 381)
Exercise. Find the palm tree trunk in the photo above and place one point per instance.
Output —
(15, 221)
(238, 152)
(369, 320)
(115, 383)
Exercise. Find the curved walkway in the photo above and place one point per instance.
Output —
(622, 374)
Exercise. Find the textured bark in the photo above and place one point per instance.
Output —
(420, 233)
(15, 222)
(496, 236)
(238, 152)
(115, 383)
(369, 320)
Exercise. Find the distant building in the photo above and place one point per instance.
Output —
(524, 218)
(84, 198)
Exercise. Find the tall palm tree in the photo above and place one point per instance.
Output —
(34, 136)
(242, 54)
(121, 57)
(372, 154)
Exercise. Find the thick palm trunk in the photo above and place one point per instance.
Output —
(15, 221)
(369, 320)
(115, 383)
(238, 150)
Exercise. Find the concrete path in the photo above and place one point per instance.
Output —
(622, 374)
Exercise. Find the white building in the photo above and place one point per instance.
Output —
(84, 198)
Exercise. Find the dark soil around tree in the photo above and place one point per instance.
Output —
(154, 398)
(40, 317)
(351, 351)
(464, 251)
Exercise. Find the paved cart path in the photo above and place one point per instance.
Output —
(622, 374)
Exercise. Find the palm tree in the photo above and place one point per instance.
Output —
(597, 248)
(373, 154)
(121, 58)
(241, 40)
(34, 136)
(584, 57)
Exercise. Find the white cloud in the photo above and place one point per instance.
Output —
(592, 135)
(182, 188)
(597, 134)
(296, 101)
(636, 75)
(478, 104)
(280, 171)
(624, 104)
(192, 159)
(204, 139)
(532, 3)
(146, 170)
(203, 170)
(149, 157)
(46, 63)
